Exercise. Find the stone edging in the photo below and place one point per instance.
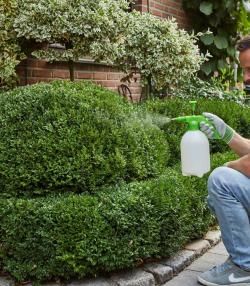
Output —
(149, 274)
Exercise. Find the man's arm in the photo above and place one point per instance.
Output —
(242, 165)
(240, 145)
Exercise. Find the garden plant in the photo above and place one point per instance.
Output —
(103, 30)
(226, 20)
(89, 183)
(79, 165)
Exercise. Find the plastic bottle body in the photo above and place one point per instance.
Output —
(195, 154)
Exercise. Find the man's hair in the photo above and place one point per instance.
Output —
(243, 44)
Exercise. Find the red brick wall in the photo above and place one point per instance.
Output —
(32, 71)
(165, 9)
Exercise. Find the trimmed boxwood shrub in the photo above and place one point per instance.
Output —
(75, 137)
(62, 139)
(79, 235)
(237, 116)
(72, 235)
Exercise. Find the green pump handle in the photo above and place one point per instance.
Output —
(194, 121)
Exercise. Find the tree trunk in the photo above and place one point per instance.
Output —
(71, 70)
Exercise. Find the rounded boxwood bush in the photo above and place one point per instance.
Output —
(74, 236)
(69, 235)
(76, 137)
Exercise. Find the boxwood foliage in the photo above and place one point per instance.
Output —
(78, 235)
(235, 115)
(74, 137)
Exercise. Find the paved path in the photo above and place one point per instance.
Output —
(188, 277)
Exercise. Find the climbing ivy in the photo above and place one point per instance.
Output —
(227, 20)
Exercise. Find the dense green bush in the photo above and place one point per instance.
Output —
(73, 137)
(64, 138)
(196, 88)
(237, 116)
(72, 235)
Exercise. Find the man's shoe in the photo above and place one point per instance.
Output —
(226, 274)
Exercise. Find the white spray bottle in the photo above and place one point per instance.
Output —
(195, 151)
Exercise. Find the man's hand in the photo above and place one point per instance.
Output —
(225, 131)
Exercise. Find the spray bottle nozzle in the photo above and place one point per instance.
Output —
(193, 105)
(194, 121)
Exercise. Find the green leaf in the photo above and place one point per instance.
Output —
(229, 4)
(208, 67)
(220, 42)
(231, 51)
(214, 21)
(222, 64)
(206, 8)
(207, 39)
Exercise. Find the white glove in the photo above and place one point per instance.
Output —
(225, 131)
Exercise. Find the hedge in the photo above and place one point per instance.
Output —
(71, 235)
(237, 116)
(84, 184)
(73, 137)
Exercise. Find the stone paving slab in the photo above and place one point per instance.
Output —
(186, 278)
(207, 261)
(218, 249)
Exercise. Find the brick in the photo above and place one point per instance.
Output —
(44, 64)
(31, 81)
(22, 81)
(51, 284)
(213, 237)
(36, 80)
(83, 67)
(162, 273)
(31, 63)
(92, 282)
(42, 73)
(157, 13)
(134, 278)
(108, 83)
(44, 284)
(114, 76)
(180, 261)
(61, 65)
(4, 281)
(100, 76)
(199, 246)
(61, 74)
(84, 75)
